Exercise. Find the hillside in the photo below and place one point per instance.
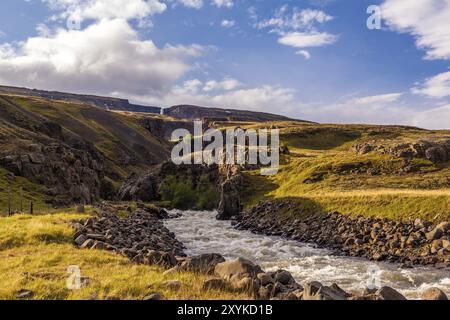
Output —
(220, 115)
(384, 171)
(107, 103)
(75, 152)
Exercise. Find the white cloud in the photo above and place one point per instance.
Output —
(106, 57)
(297, 20)
(307, 40)
(435, 87)
(427, 20)
(437, 118)
(2, 34)
(223, 3)
(382, 98)
(105, 9)
(194, 4)
(225, 85)
(304, 53)
(229, 93)
(228, 23)
(386, 109)
(297, 28)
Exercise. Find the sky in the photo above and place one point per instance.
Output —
(309, 59)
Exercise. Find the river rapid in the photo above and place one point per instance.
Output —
(201, 233)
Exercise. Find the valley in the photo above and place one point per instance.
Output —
(354, 195)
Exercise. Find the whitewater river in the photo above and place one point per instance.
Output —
(202, 233)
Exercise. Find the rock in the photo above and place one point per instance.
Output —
(172, 271)
(205, 263)
(387, 293)
(436, 245)
(246, 284)
(434, 234)
(265, 279)
(168, 260)
(154, 297)
(440, 230)
(317, 291)
(311, 291)
(230, 193)
(80, 240)
(25, 294)
(284, 277)
(434, 294)
(238, 268)
(173, 284)
(278, 288)
(264, 293)
(216, 283)
(89, 243)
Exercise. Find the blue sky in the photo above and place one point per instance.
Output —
(313, 59)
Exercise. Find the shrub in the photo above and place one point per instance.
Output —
(181, 193)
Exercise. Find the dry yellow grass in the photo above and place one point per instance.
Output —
(36, 251)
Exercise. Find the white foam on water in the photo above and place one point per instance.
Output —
(201, 233)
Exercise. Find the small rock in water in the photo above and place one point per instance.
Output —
(387, 293)
(434, 294)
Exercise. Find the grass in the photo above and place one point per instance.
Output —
(31, 193)
(36, 251)
(323, 175)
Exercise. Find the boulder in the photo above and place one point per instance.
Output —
(154, 297)
(434, 294)
(283, 277)
(205, 263)
(265, 279)
(239, 267)
(387, 293)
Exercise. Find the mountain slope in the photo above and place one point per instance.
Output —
(77, 151)
(221, 115)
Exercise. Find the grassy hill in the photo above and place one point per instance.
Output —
(325, 173)
(57, 145)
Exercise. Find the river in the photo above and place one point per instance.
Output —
(201, 233)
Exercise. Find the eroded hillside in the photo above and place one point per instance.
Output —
(72, 152)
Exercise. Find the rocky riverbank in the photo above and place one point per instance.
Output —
(408, 243)
(142, 237)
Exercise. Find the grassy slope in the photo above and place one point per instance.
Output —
(110, 132)
(35, 252)
(31, 193)
(319, 152)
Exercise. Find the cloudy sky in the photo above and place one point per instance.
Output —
(310, 59)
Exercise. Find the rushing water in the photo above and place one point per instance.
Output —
(202, 233)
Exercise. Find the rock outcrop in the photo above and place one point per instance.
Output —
(71, 174)
(231, 185)
(144, 186)
(409, 243)
(435, 151)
